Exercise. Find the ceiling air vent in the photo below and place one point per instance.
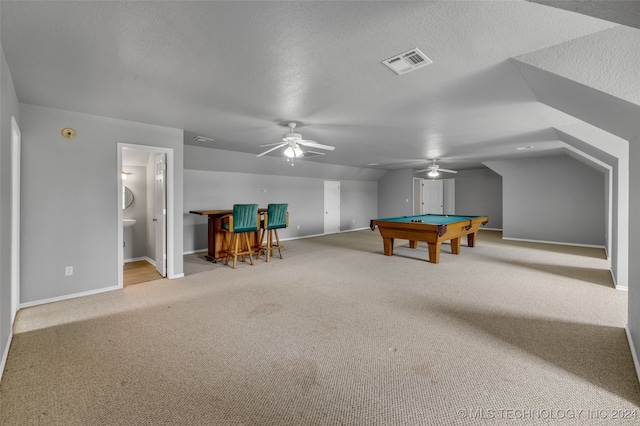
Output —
(408, 61)
(202, 139)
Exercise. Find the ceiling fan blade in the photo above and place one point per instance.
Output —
(316, 145)
(270, 144)
(446, 170)
(272, 149)
(422, 170)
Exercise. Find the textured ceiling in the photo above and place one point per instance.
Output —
(237, 71)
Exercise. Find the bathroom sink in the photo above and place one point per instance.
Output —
(128, 222)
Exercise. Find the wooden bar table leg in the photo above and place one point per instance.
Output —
(211, 242)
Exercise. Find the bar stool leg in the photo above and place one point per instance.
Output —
(260, 248)
(246, 239)
(278, 243)
(269, 239)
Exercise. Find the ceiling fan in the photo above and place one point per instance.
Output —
(292, 141)
(434, 170)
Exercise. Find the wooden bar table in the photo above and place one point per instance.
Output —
(218, 240)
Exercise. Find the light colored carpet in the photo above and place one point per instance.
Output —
(337, 333)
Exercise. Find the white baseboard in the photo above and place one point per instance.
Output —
(357, 229)
(136, 259)
(195, 251)
(615, 283)
(5, 354)
(68, 296)
(634, 354)
(553, 242)
(288, 239)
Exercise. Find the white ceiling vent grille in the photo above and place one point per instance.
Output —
(202, 139)
(408, 61)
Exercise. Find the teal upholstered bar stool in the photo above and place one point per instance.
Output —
(276, 217)
(240, 223)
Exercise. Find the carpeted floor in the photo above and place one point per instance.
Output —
(336, 333)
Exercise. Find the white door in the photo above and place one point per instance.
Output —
(15, 218)
(331, 207)
(160, 218)
(433, 196)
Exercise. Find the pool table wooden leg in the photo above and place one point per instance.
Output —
(455, 246)
(413, 244)
(434, 252)
(471, 239)
(388, 246)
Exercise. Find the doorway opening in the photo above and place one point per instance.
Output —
(146, 195)
(433, 196)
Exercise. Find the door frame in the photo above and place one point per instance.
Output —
(160, 222)
(170, 268)
(16, 143)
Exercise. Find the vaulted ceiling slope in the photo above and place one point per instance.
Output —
(625, 12)
(238, 71)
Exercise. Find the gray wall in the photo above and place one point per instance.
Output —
(70, 198)
(8, 108)
(634, 244)
(552, 199)
(479, 193)
(358, 204)
(395, 193)
(207, 187)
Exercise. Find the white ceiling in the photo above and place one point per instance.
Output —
(237, 71)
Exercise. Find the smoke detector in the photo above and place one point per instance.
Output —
(408, 61)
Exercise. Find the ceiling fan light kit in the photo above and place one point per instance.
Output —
(433, 170)
(293, 151)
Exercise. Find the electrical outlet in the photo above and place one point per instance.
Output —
(68, 270)
(298, 226)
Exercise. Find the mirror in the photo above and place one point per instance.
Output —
(127, 197)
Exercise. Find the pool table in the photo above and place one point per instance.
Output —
(430, 228)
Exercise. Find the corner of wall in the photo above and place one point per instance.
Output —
(634, 354)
